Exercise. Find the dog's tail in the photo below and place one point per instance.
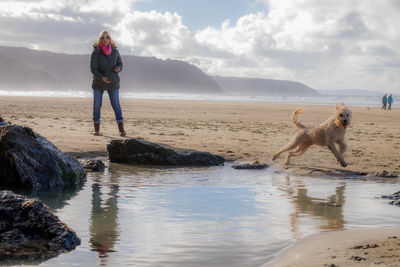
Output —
(294, 118)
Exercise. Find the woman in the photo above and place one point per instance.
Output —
(105, 63)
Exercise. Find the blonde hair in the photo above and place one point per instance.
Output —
(101, 34)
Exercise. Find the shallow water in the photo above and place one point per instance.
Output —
(217, 216)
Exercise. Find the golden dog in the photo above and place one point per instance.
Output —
(328, 134)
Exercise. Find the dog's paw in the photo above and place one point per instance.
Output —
(274, 157)
(344, 164)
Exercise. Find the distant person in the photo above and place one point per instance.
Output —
(390, 101)
(105, 64)
(384, 102)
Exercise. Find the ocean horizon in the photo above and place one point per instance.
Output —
(354, 100)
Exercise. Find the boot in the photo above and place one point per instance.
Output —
(96, 128)
(121, 129)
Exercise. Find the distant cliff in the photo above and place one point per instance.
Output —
(27, 69)
(263, 87)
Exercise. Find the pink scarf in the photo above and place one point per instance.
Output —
(106, 49)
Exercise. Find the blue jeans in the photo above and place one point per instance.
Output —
(114, 100)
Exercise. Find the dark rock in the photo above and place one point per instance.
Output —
(395, 197)
(386, 174)
(357, 258)
(29, 161)
(95, 165)
(30, 231)
(366, 246)
(2, 122)
(139, 151)
(395, 202)
(252, 166)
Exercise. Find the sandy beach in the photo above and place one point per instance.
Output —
(243, 132)
(237, 131)
(344, 248)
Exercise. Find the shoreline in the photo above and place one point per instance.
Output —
(354, 247)
(292, 100)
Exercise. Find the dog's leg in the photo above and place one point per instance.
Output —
(337, 154)
(292, 144)
(290, 154)
(342, 146)
(299, 151)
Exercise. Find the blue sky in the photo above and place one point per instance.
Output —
(198, 15)
(330, 44)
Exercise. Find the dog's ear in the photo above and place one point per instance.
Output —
(339, 105)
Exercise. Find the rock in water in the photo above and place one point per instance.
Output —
(250, 166)
(2, 122)
(139, 151)
(29, 228)
(386, 174)
(29, 161)
(95, 165)
(395, 197)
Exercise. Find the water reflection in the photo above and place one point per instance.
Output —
(54, 199)
(58, 199)
(216, 216)
(104, 226)
(328, 209)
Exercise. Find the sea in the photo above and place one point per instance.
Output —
(353, 100)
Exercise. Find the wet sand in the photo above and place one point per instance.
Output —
(243, 132)
(344, 248)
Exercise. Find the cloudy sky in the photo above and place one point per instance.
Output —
(326, 44)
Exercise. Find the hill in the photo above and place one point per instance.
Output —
(27, 69)
(351, 92)
(263, 87)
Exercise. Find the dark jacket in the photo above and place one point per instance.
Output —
(102, 65)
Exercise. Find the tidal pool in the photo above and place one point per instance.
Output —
(216, 216)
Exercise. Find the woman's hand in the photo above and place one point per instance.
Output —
(117, 69)
(105, 79)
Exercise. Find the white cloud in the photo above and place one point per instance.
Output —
(34, 7)
(158, 34)
(68, 26)
(326, 44)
